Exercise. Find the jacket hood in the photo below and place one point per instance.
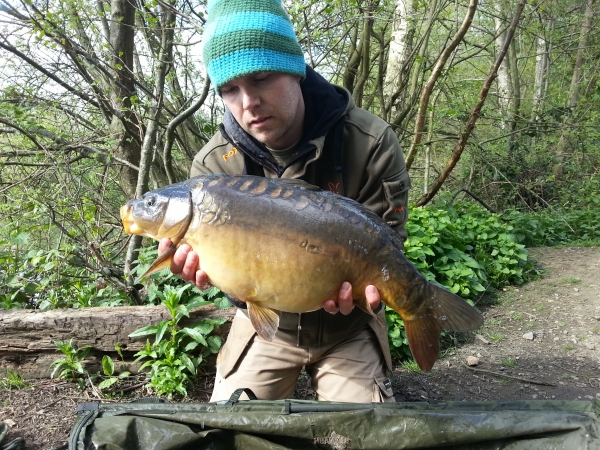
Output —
(324, 105)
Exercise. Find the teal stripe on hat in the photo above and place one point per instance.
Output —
(245, 62)
(247, 39)
(250, 20)
(225, 7)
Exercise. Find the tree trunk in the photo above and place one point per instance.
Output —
(400, 49)
(542, 71)
(563, 145)
(475, 113)
(28, 336)
(505, 93)
(435, 73)
(125, 125)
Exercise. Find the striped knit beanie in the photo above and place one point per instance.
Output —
(242, 37)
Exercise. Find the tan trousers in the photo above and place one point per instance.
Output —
(348, 368)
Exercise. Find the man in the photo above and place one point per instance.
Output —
(285, 120)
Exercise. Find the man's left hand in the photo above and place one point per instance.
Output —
(345, 304)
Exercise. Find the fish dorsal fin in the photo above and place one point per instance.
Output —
(299, 183)
(264, 320)
(162, 262)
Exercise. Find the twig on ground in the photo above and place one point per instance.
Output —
(524, 380)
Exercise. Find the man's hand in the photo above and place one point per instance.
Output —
(344, 303)
(186, 264)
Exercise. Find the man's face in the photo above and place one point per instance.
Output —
(268, 106)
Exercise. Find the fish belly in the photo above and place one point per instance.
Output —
(277, 273)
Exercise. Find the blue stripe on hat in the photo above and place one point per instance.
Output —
(255, 20)
(245, 62)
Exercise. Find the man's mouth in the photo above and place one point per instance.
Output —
(259, 121)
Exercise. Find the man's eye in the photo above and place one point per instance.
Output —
(229, 90)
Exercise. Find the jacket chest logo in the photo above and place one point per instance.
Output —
(233, 152)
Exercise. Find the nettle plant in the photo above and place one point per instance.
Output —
(176, 353)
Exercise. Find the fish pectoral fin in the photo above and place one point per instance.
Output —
(162, 262)
(423, 335)
(264, 320)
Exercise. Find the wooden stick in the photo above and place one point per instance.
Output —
(525, 380)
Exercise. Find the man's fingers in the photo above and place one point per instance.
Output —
(372, 295)
(202, 282)
(345, 302)
(164, 244)
(190, 267)
(331, 306)
(179, 258)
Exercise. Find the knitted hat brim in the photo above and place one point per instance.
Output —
(265, 61)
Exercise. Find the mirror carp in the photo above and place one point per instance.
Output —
(285, 245)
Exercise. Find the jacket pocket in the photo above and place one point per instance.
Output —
(395, 190)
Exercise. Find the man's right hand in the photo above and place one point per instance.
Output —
(186, 264)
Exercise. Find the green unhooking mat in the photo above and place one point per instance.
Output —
(294, 424)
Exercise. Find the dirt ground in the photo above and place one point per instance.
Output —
(540, 341)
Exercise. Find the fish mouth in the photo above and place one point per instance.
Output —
(128, 223)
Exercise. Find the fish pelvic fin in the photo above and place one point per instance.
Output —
(264, 320)
(162, 262)
(423, 336)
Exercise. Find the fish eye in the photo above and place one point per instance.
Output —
(151, 201)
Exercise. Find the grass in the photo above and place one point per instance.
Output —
(539, 307)
(496, 336)
(494, 322)
(411, 365)
(568, 348)
(517, 316)
(12, 380)
(596, 330)
(562, 324)
(570, 280)
(511, 362)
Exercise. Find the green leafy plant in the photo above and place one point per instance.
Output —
(108, 368)
(176, 353)
(466, 249)
(12, 380)
(70, 367)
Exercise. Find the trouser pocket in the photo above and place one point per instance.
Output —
(382, 390)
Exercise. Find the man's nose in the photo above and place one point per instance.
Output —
(250, 99)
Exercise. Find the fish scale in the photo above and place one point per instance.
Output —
(284, 245)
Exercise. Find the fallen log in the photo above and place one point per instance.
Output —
(27, 336)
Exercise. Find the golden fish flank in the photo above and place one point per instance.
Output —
(261, 239)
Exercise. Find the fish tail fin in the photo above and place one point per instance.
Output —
(453, 313)
(423, 336)
(162, 262)
(447, 311)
